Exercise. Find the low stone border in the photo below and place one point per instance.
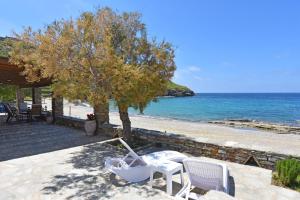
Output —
(70, 122)
(191, 146)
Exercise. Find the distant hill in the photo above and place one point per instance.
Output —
(177, 90)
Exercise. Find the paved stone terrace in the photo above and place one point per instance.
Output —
(78, 172)
(25, 139)
(73, 173)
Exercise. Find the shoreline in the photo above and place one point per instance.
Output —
(81, 110)
(255, 139)
(244, 124)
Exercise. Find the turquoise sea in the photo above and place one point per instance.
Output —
(268, 107)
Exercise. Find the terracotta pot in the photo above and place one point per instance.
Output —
(90, 127)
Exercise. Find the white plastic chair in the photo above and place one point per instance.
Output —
(204, 175)
(134, 168)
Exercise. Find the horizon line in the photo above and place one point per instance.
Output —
(247, 92)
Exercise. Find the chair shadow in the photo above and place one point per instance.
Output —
(231, 186)
(177, 186)
(159, 183)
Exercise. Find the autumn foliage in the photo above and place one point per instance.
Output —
(98, 56)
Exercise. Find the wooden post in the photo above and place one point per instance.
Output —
(19, 97)
(36, 96)
(33, 95)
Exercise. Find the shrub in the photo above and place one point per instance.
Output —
(288, 172)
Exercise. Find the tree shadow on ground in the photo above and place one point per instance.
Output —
(26, 139)
(90, 180)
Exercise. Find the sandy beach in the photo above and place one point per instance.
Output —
(204, 132)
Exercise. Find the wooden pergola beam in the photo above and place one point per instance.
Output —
(11, 75)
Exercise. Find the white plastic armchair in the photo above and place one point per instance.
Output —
(204, 175)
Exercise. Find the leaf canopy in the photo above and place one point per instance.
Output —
(100, 55)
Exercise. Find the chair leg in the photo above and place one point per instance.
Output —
(8, 118)
(151, 178)
(187, 194)
(169, 183)
(185, 191)
(181, 177)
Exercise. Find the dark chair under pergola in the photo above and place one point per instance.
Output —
(13, 113)
(12, 75)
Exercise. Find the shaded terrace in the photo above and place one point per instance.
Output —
(26, 139)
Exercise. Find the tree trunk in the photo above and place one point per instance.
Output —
(57, 107)
(123, 111)
(101, 112)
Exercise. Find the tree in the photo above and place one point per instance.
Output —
(74, 55)
(143, 70)
(98, 56)
(7, 93)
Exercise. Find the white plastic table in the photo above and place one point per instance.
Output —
(167, 168)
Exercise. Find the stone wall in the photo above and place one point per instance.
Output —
(191, 146)
(70, 122)
(108, 129)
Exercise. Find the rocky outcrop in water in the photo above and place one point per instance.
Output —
(179, 93)
(276, 128)
(177, 90)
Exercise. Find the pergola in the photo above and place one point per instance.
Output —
(12, 75)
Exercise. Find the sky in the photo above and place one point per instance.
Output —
(221, 45)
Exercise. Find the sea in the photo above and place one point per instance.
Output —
(281, 108)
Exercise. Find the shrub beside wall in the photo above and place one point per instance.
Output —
(287, 174)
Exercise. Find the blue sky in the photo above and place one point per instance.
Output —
(221, 45)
